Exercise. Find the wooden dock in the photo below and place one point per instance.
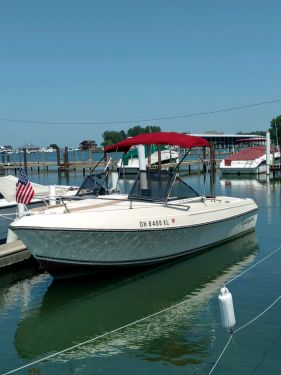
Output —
(63, 164)
(50, 164)
(275, 169)
(13, 253)
(82, 165)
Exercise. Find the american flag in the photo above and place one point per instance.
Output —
(25, 191)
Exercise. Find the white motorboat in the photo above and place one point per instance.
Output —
(251, 160)
(130, 163)
(160, 219)
(8, 204)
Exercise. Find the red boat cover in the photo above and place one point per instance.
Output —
(162, 138)
(249, 153)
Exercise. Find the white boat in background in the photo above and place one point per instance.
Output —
(162, 218)
(8, 204)
(251, 160)
(130, 164)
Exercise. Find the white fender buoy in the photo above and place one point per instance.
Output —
(226, 309)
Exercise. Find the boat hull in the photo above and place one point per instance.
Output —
(64, 252)
(247, 171)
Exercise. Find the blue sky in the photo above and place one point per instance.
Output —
(119, 60)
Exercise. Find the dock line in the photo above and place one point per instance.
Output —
(240, 329)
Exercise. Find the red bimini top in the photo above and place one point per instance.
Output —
(162, 138)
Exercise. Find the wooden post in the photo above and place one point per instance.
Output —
(25, 159)
(66, 163)
(58, 157)
(19, 156)
(159, 158)
(212, 158)
(148, 156)
(204, 158)
(213, 169)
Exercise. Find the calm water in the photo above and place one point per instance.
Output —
(39, 316)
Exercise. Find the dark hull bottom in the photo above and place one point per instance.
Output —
(60, 270)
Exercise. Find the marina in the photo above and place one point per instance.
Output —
(86, 161)
(187, 338)
(140, 188)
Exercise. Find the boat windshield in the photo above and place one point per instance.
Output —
(160, 186)
(93, 185)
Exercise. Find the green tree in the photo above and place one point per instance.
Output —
(136, 130)
(152, 129)
(111, 136)
(275, 130)
(54, 146)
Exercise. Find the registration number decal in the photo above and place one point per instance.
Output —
(154, 223)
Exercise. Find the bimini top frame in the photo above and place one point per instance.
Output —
(161, 138)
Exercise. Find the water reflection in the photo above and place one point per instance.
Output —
(17, 287)
(74, 311)
(261, 188)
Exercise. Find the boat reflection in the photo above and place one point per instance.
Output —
(73, 311)
(17, 287)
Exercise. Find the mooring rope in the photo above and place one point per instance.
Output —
(8, 216)
(254, 265)
(156, 314)
(240, 329)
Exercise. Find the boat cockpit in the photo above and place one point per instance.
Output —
(155, 186)
(160, 186)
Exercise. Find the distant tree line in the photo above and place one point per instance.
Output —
(111, 136)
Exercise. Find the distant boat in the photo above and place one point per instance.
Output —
(47, 149)
(251, 160)
(8, 204)
(130, 163)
